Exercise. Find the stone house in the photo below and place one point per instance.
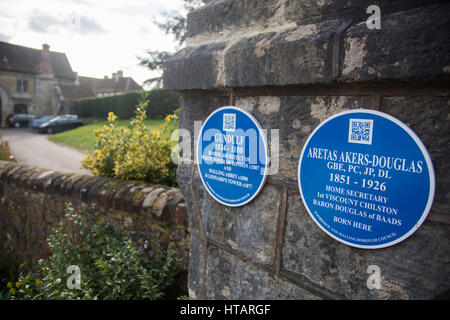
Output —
(30, 79)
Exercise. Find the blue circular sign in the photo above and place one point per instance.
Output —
(232, 156)
(366, 179)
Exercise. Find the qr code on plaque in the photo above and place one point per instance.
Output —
(229, 122)
(360, 131)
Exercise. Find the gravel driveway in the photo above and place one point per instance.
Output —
(35, 149)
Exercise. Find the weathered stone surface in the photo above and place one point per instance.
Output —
(197, 258)
(310, 53)
(308, 251)
(32, 203)
(301, 10)
(230, 13)
(248, 229)
(293, 64)
(409, 45)
(197, 110)
(429, 118)
(419, 259)
(224, 15)
(181, 215)
(161, 208)
(151, 198)
(295, 118)
(231, 278)
(192, 68)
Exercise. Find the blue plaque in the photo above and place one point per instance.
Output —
(232, 156)
(366, 179)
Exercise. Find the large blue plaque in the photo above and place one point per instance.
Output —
(366, 179)
(232, 156)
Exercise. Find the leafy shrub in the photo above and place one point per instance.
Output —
(134, 153)
(123, 105)
(111, 267)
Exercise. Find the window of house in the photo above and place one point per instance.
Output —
(22, 85)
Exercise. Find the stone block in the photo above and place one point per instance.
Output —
(418, 260)
(120, 197)
(164, 208)
(192, 68)
(296, 118)
(197, 258)
(32, 202)
(233, 279)
(300, 55)
(250, 229)
(227, 14)
(181, 215)
(429, 118)
(409, 45)
(316, 52)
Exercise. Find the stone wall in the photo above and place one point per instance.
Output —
(292, 64)
(32, 202)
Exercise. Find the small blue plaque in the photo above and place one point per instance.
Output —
(366, 179)
(232, 156)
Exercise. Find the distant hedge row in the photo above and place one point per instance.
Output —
(161, 103)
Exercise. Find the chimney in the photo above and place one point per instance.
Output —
(46, 66)
(117, 75)
(77, 80)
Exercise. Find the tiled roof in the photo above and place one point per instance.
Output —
(109, 85)
(73, 92)
(23, 59)
(89, 87)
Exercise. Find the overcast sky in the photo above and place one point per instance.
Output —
(99, 37)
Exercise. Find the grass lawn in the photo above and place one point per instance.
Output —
(83, 138)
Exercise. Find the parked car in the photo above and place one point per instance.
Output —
(60, 123)
(35, 123)
(18, 120)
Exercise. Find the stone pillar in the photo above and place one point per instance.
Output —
(292, 64)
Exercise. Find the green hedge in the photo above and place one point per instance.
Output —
(161, 103)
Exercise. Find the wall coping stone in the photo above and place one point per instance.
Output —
(108, 193)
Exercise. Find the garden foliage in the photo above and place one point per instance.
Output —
(134, 153)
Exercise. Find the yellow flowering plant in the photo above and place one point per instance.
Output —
(134, 153)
